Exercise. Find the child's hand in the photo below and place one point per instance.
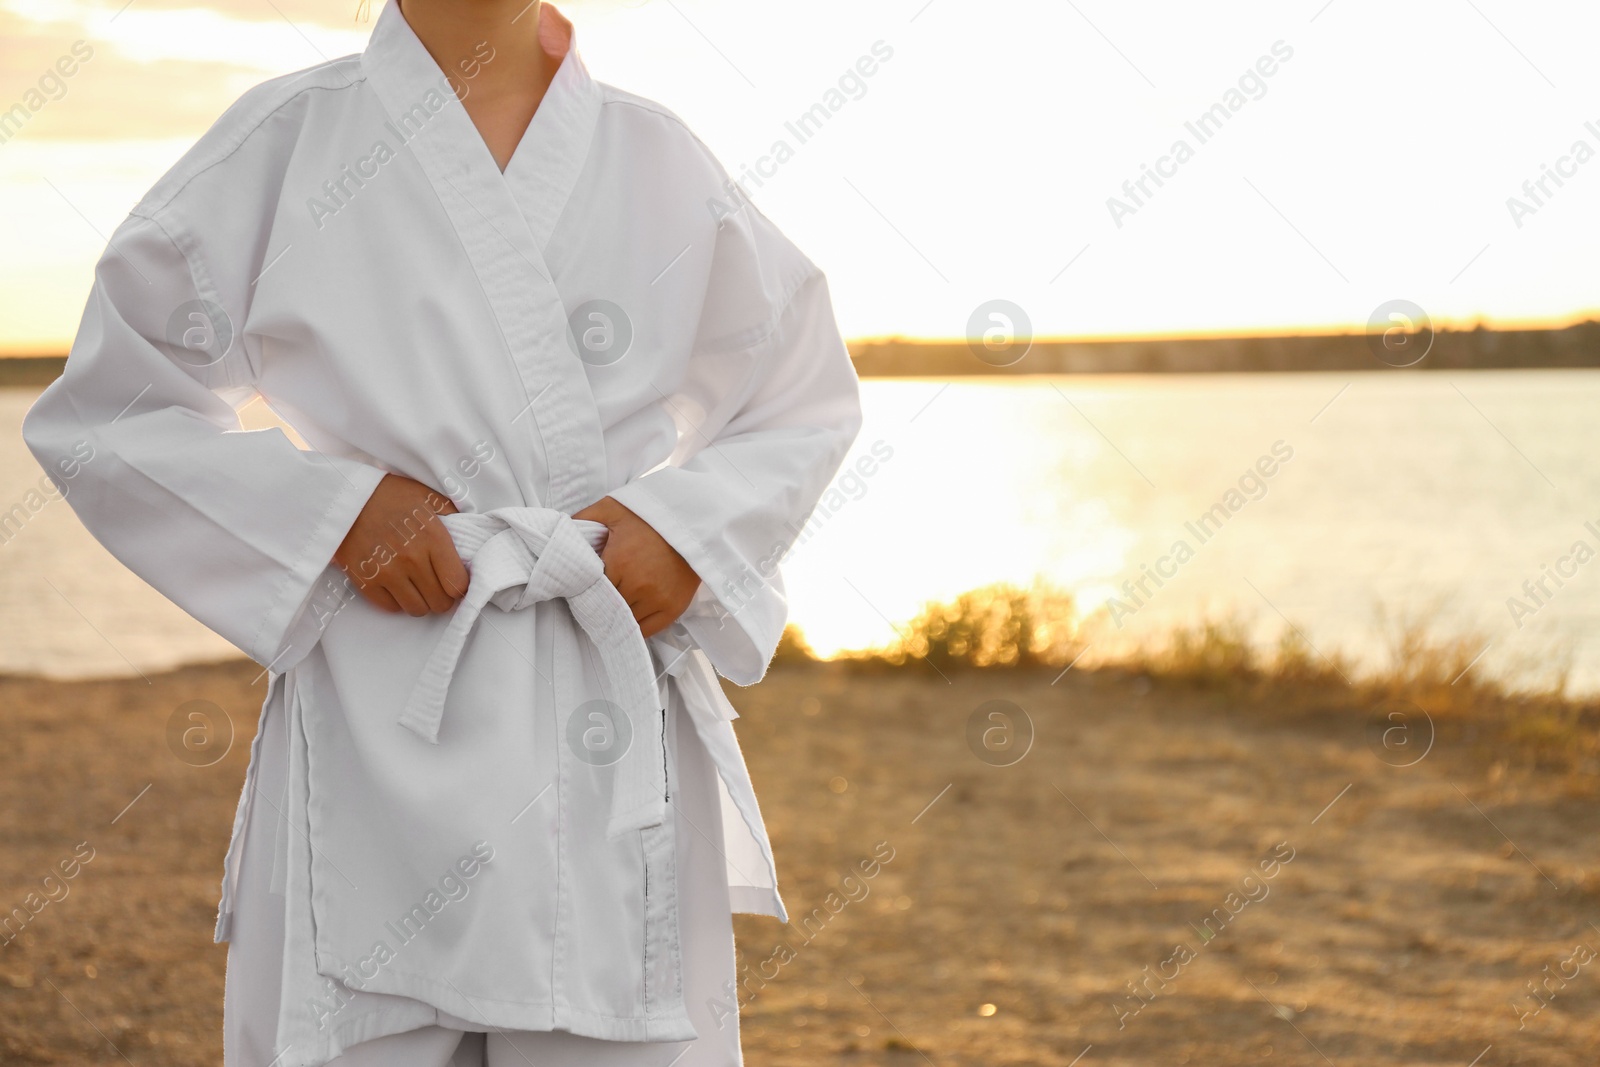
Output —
(399, 555)
(656, 582)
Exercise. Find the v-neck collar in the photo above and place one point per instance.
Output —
(550, 156)
(504, 222)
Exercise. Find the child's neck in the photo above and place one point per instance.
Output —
(500, 93)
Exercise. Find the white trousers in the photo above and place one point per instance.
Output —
(255, 950)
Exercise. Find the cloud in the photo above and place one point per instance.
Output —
(146, 31)
(314, 16)
(157, 72)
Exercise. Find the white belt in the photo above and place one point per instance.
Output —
(519, 557)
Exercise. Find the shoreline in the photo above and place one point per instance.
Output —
(1570, 347)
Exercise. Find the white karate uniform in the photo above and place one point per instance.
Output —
(255, 955)
(479, 806)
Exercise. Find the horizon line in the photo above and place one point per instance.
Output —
(1242, 334)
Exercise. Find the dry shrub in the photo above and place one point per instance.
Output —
(1443, 673)
(1524, 703)
(793, 647)
(1219, 651)
(1296, 662)
(1214, 651)
(995, 626)
(1440, 673)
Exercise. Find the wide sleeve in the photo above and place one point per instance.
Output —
(140, 433)
(767, 413)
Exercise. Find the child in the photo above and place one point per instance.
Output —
(567, 395)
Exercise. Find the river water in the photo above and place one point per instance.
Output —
(1312, 498)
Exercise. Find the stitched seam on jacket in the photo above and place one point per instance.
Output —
(141, 211)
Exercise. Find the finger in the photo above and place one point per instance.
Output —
(643, 608)
(427, 583)
(379, 598)
(655, 622)
(601, 511)
(410, 599)
(418, 568)
(633, 593)
(616, 574)
(449, 570)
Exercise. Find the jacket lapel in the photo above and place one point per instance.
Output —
(504, 244)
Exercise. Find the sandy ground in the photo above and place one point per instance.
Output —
(1402, 916)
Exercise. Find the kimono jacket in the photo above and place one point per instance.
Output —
(479, 811)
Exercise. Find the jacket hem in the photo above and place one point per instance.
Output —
(754, 900)
(540, 1015)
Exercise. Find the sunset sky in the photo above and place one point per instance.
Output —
(1374, 163)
